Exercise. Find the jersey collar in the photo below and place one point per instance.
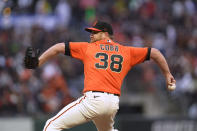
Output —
(106, 41)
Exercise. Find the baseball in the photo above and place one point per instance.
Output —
(172, 87)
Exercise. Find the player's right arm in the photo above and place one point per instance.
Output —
(139, 55)
(161, 62)
(51, 52)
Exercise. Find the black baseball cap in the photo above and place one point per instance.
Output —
(100, 26)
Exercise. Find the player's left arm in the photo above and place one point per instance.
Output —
(156, 56)
(51, 52)
(32, 59)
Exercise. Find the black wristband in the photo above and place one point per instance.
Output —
(148, 54)
(67, 49)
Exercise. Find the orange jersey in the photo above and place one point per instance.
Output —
(106, 63)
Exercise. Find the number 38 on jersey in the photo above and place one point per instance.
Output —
(115, 64)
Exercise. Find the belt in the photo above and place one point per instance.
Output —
(106, 92)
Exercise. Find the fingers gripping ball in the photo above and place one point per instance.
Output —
(172, 87)
(31, 58)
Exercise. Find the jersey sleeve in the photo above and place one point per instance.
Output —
(139, 55)
(76, 49)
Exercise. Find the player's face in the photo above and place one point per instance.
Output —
(95, 36)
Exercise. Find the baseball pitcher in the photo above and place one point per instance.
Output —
(106, 63)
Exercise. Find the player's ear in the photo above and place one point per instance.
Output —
(106, 34)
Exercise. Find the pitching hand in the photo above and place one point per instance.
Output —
(171, 82)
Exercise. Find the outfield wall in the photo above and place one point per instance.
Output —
(127, 123)
(123, 123)
(16, 124)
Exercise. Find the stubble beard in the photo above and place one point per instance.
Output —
(92, 40)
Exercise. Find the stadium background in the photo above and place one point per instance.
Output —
(29, 98)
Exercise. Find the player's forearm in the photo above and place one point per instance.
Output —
(160, 60)
(51, 52)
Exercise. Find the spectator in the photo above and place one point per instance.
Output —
(170, 26)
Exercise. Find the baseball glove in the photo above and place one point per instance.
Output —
(31, 58)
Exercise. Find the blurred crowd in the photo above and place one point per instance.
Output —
(168, 25)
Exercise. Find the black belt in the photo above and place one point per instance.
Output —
(106, 92)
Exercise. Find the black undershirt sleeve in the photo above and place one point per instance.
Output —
(67, 49)
(148, 54)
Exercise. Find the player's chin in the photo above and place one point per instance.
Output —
(92, 40)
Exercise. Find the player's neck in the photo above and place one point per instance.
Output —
(106, 38)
